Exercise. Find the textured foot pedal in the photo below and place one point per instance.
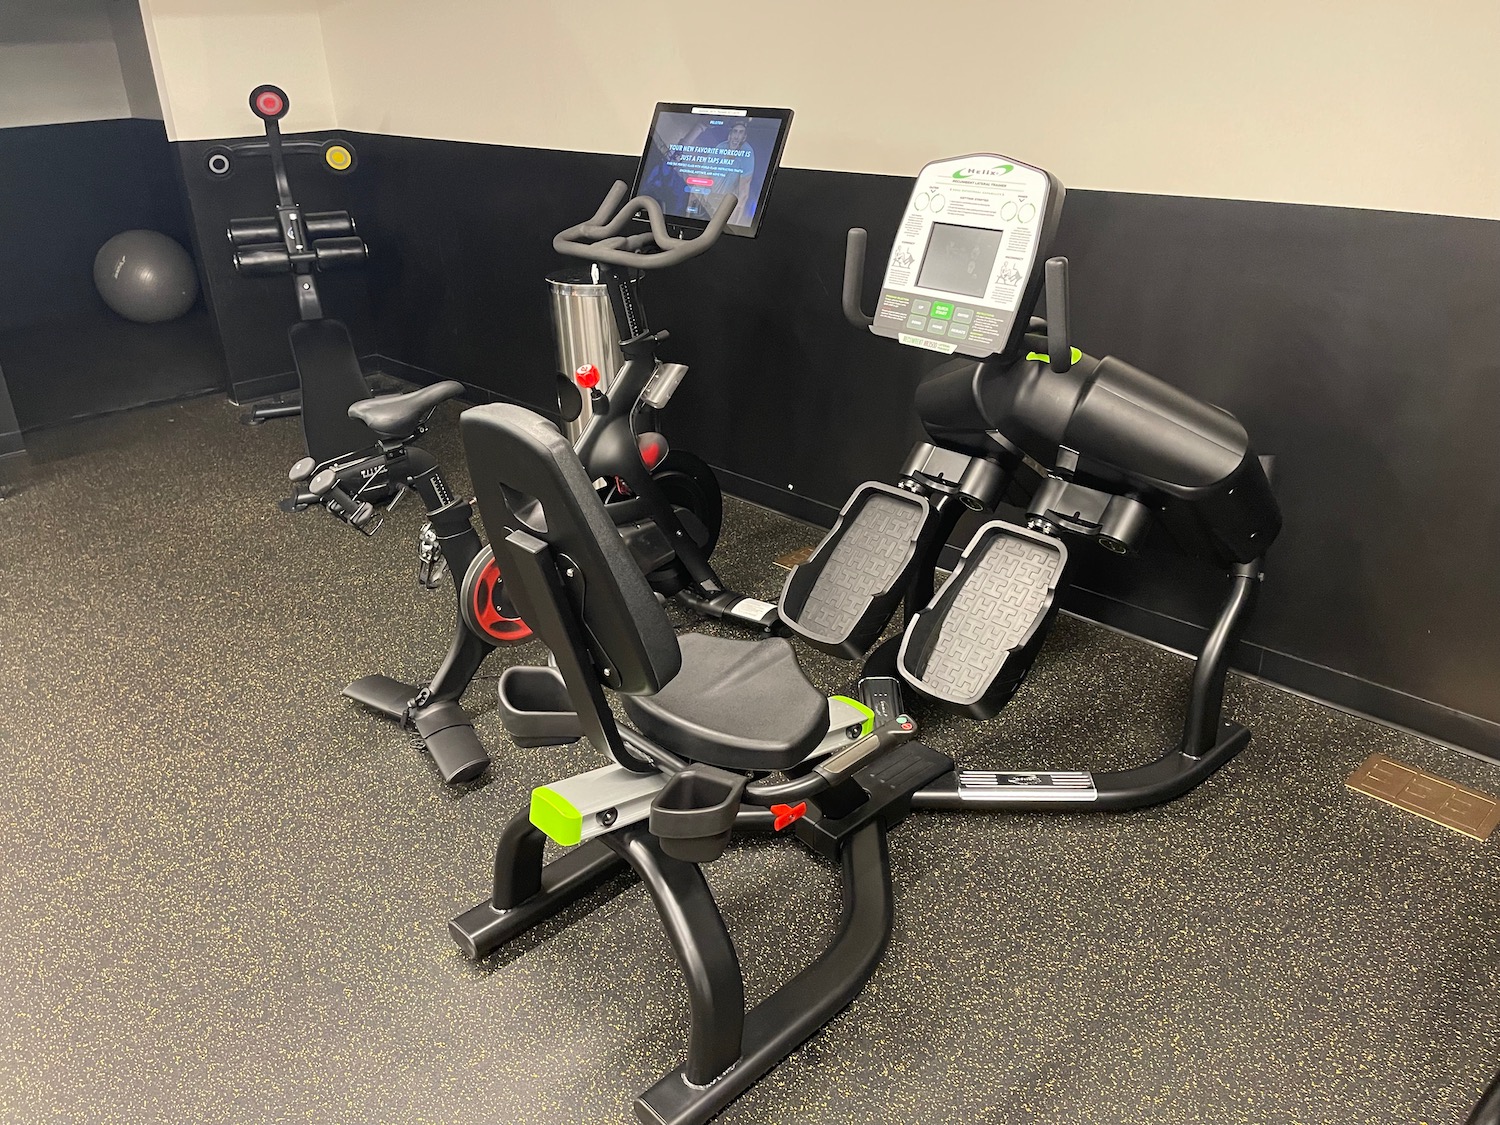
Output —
(841, 597)
(971, 647)
(448, 734)
(1431, 797)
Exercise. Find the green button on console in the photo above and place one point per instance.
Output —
(941, 310)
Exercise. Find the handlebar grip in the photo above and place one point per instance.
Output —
(612, 200)
(1059, 346)
(854, 277)
(603, 242)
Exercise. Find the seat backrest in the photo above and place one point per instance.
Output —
(331, 381)
(517, 457)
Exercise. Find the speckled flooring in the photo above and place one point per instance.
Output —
(225, 888)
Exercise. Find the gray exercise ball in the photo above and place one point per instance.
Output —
(145, 276)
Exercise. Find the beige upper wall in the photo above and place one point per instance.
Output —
(1364, 103)
(209, 54)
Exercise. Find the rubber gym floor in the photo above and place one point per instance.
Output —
(225, 888)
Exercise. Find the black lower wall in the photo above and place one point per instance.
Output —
(69, 188)
(11, 442)
(1357, 346)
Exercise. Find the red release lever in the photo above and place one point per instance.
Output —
(786, 814)
(587, 376)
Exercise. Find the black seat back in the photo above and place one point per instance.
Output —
(516, 459)
(331, 381)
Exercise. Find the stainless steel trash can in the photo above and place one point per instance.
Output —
(583, 327)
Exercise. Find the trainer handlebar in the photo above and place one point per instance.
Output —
(854, 278)
(601, 239)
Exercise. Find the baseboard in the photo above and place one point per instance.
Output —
(385, 376)
(267, 386)
(779, 500)
(1358, 696)
(12, 444)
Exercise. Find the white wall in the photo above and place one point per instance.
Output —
(209, 54)
(58, 63)
(1367, 103)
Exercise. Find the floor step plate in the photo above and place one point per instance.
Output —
(1433, 798)
(1026, 785)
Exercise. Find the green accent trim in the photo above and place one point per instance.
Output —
(869, 723)
(1042, 357)
(555, 815)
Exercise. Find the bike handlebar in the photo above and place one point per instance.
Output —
(600, 239)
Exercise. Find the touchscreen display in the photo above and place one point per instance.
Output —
(959, 259)
(696, 158)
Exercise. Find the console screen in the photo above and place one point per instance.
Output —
(959, 259)
(696, 157)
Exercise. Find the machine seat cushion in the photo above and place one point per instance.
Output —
(394, 417)
(743, 705)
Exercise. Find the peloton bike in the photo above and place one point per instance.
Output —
(665, 503)
(722, 733)
(688, 191)
(360, 446)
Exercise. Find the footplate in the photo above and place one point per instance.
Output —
(842, 596)
(973, 644)
(384, 694)
(1038, 786)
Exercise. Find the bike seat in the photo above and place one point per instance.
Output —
(740, 704)
(395, 417)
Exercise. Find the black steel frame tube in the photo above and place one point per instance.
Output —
(695, 930)
(1200, 729)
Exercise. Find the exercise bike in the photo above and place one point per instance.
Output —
(723, 734)
(361, 457)
(666, 504)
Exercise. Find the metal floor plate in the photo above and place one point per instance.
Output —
(1431, 797)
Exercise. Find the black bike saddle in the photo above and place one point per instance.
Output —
(396, 417)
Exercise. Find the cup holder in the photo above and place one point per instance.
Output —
(694, 815)
(536, 708)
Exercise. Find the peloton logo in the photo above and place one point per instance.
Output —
(999, 171)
